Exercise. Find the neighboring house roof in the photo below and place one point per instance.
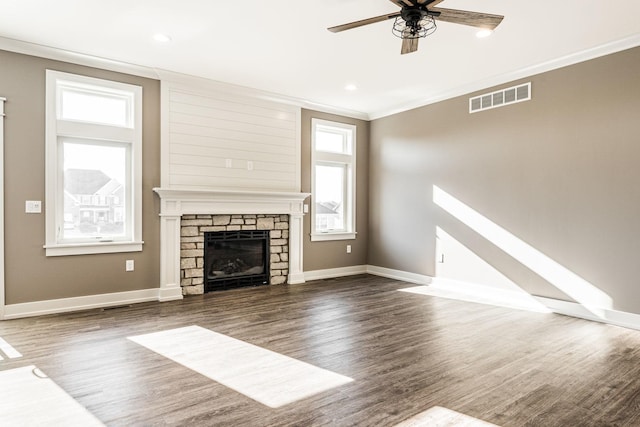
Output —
(326, 208)
(109, 188)
(84, 181)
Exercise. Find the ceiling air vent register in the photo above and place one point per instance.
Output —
(500, 98)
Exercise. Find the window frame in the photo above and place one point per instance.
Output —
(91, 133)
(330, 158)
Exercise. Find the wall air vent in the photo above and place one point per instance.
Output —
(500, 98)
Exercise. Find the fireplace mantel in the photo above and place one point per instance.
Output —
(177, 202)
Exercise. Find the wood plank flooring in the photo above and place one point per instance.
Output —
(405, 352)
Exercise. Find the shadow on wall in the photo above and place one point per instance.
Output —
(586, 294)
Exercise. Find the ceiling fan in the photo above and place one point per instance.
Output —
(416, 19)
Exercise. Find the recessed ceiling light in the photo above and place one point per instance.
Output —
(161, 38)
(351, 87)
(483, 33)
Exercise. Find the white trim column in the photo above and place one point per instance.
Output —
(170, 258)
(296, 272)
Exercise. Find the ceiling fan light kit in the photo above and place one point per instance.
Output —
(417, 19)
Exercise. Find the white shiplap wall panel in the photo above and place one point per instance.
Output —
(229, 102)
(199, 181)
(224, 124)
(190, 134)
(270, 161)
(237, 113)
(214, 139)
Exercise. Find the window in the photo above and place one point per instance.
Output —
(333, 162)
(94, 165)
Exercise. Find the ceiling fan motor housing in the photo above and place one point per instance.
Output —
(412, 15)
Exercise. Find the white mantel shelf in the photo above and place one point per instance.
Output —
(194, 201)
(177, 202)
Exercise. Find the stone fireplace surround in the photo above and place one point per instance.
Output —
(192, 242)
(174, 203)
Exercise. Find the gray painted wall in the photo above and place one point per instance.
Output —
(30, 276)
(560, 172)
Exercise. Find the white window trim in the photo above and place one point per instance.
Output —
(2, 249)
(55, 128)
(350, 184)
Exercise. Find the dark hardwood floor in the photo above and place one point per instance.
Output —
(405, 352)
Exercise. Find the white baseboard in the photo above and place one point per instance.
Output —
(170, 293)
(568, 308)
(294, 279)
(39, 308)
(330, 273)
(405, 276)
(611, 317)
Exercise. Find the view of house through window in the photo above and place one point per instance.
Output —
(329, 196)
(333, 180)
(95, 202)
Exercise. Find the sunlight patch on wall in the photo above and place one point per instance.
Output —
(443, 417)
(465, 276)
(589, 296)
(457, 262)
(267, 377)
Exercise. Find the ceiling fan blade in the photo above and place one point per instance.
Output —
(409, 45)
(362, 22)
(433, 3)
(464, 17)
(402, 3)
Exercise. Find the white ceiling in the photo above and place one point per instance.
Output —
(283, 47)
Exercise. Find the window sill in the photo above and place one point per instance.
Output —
(319, 237)
(92, 248)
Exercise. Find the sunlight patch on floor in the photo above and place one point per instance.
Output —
(267, 377)
(30, 398)
(443, 417)
(8, 350)
(499, 299)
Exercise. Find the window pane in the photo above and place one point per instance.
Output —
(332, 142)
(94, 190)
(95, 107)
(329, 198)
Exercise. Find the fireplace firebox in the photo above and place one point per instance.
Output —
(234, 259)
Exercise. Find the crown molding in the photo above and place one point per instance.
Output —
(564, 61)
(54, 53)
(57, 54)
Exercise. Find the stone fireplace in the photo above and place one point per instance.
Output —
(185, 216)
(214, 243)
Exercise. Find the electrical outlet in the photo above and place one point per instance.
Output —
(305, 208)
(129, 265)
(348, 249)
